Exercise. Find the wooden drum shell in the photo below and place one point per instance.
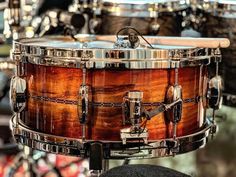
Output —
(53, 94)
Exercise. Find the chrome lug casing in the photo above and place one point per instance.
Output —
(18, 94)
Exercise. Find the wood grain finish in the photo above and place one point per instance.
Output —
(104, 123)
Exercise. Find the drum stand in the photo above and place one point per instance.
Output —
(97, 164)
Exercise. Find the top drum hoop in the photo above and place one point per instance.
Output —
(221, 8)
(64, 52)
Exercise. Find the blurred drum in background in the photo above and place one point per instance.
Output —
(148, 17)
(7, 145)
(91, 11)
(220, 21)
(23, 19)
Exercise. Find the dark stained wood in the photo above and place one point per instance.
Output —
(104, 123)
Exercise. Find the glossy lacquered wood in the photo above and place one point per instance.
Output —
(107, 86)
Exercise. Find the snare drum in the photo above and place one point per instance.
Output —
(136, 102)
(220, 22)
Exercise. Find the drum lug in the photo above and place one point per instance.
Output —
(18, 94)
(133, 108)
(132, 114)
(174, 114)
(174, 93)
(83, 103)
(214, 94)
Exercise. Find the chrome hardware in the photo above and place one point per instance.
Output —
(84, 99)
(19, 60)
(69, 146)
(173, 146)
(20, 69)
(16, 55)
(84, 103)
(142, 58)
(132, 41)
(132, 108)
(135, 100)
(214, 93)
(18, 94)
(133, 113)
(217, 55)
(121, 43)
(174, 113)
(173, 94)
(132, 134)
(215, 98)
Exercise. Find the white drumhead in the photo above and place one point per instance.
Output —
(100, 45)
(56, 44)
(65, 43)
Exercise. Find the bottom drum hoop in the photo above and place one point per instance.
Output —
(112, 149)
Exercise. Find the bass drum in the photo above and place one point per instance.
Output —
(148, 17)
(221, 22)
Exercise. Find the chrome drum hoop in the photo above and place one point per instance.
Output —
(142, 9)
(140, 58)
(219, 8)
(113, 149)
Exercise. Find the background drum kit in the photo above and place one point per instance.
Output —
(106, 79)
